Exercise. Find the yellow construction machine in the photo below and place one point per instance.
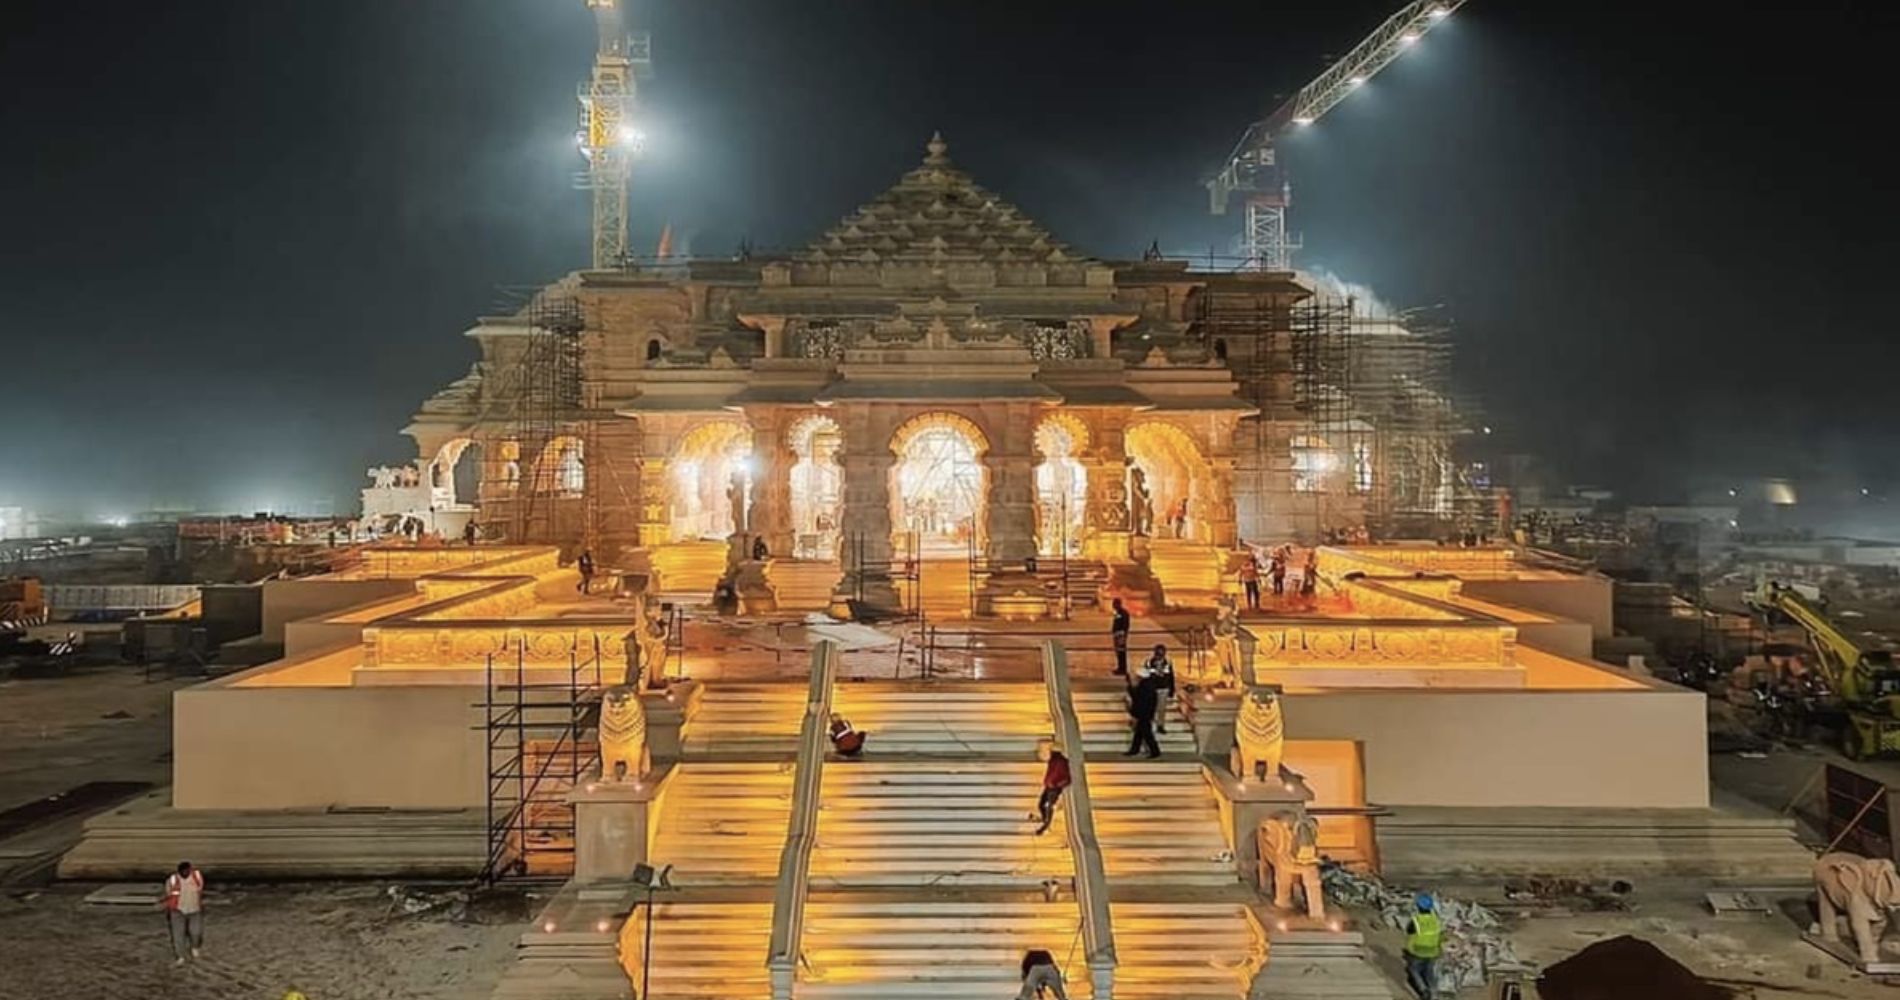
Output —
(1864, 679)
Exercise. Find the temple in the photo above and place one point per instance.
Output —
(683, 519)
(935, 380)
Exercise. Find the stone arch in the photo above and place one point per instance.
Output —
(1176, 469)
(701, 470)
(455, 474)
(561, 468)
(1062, 484)
(939, 486)
(816, 486)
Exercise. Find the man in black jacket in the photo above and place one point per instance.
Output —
(1143, 700)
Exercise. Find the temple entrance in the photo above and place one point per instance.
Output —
(712, 481)
(1062, 488)
(1169, 466)
(817, 488)
(455, 477)
(939, 483)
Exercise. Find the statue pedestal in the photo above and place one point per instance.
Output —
(668, 712)
(756, 595)
(1212, 715)
(613, 824)
(1013, 596)
(1246, 803)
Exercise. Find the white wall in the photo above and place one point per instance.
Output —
(1642, 748)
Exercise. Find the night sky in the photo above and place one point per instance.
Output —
(241, 240)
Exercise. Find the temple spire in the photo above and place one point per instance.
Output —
(936, 148)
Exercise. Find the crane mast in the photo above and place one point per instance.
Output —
(1252, 169)
(610, 137)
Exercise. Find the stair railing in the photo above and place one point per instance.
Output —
(794, 865)
(1091, 876)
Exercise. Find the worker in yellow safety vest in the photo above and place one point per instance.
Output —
(1424, 939)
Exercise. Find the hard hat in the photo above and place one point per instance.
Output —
(1424, 902)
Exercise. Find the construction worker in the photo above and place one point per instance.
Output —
(1040, 973)
(183, 904)
(1118, 629)
(1424, 940)
(847, 739)
(1055, 778)
(586, 565)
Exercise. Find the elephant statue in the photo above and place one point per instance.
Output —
(1865, 889)
(623, 734)
(1260, 734)
(1289, 856)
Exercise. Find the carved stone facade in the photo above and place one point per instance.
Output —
(935, 301)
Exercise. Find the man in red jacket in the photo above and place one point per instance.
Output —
(1055, 778)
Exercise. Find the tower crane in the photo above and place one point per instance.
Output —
(1252, 169)
(610, 137)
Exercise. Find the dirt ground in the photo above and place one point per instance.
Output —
(104, 723)
(331, 941)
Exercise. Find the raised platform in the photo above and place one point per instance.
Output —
(147, 836)
(1728, 844)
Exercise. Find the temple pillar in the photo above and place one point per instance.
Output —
(656, 526)
(772, 461)
(1011, 590)
(1218, 504)
(1107, 468)
(866, 513)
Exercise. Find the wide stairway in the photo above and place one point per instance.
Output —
(1158, 823)
(1189, 572)
(868, 949)
(703, 951)
(745, 721)
(947, 719)
(1183, 951)
(724, 823)
(1102, 709)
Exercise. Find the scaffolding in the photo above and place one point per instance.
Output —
(539, 750)
(533, 440)
(1356, 422)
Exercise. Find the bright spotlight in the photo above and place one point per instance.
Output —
(1440, 13)
(1408, 38)
(632, 138)
(1354, 81)
(1303, 120)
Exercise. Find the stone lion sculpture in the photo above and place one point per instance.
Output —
(1289, 855)
(623, 734)
(1260, 734)
(1862, 888)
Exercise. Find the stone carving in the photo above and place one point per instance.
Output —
(1141, 504)
(826, 340)
(1289, 850)
(1260, 734)
(1226, 635)
(1864, 889)
(649, 641)
(623, 734)
(1047, 342)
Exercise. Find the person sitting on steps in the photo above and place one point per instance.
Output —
(845, 739)
(1055, 778)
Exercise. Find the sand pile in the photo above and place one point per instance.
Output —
(1625, 968)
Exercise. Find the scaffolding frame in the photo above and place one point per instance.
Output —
(531, 402)
(537, 753)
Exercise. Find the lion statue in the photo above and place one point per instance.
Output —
(1862, 888)
(1289, 856)
(623, 734)
(1260, 734)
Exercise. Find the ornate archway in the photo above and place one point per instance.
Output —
(455, 474)
(1062, 489)
(561, 468)
(711, 480)
(939, 484)
(1168, 463)
(816, 487)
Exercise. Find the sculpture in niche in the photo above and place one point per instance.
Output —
(1260, 734)
(1226, 635)
(1141, 502)
(1862, 889)
(1289, 855)
(623, 735)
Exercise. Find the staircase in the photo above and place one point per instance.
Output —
(943, 589)
(723, 823)
(1102, 709)
(690, 570)
(955, 718)
(934, 824)
(1189, 572)
(1158, 824)
(1184, 951)
(935, 950)
(745, 721)
(702, 951)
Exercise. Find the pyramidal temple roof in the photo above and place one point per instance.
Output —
(936, 214)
